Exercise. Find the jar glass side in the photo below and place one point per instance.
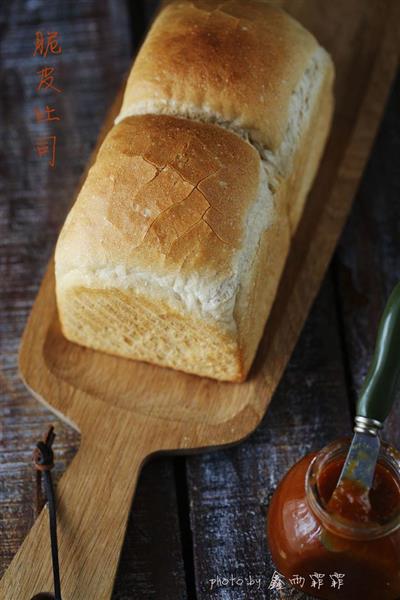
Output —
(304, 539)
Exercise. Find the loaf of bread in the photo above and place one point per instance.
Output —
(174, 249)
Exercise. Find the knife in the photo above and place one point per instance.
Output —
(375, 400)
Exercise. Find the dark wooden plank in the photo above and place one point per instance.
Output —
(151, 563)
(230, 490)
(142, 13)
(34, 201)
(367, 264)
(96, 39)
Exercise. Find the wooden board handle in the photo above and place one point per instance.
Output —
(93, 502)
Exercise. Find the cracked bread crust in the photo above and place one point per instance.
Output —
(165, 194)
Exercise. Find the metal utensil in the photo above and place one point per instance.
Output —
(375, 400)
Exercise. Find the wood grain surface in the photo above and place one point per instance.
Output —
(98, 42)
(157, 560)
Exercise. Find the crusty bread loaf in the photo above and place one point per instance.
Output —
(174, 249)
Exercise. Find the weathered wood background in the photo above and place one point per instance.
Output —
(198, 517)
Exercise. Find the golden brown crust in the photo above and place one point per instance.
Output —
(166, 194)
(238, 61)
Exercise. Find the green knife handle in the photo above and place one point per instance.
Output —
(378, 392)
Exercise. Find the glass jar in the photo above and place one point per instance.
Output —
(321, 552)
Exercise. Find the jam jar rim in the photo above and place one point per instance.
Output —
(354, 531)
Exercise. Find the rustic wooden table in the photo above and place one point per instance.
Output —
(199, 518)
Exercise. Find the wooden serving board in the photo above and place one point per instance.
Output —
(128, 410)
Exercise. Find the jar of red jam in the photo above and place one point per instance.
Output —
(349, 550)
